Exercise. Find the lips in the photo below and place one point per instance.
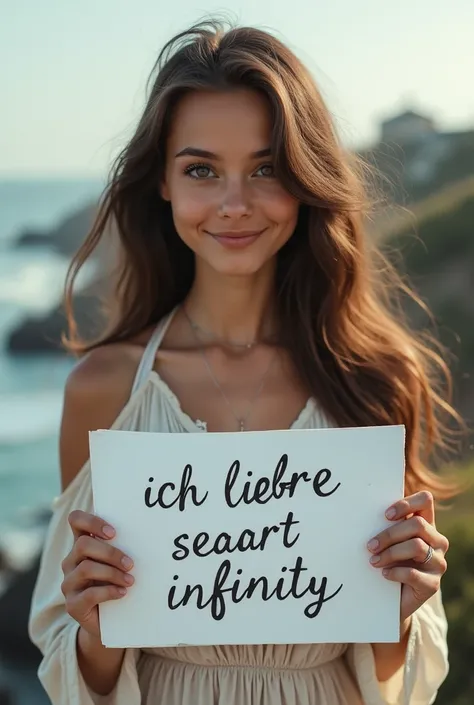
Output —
(237, 233)
(237, 239)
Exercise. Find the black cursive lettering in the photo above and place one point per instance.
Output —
(183, 550)
(320, 479)
(264, 489)
(186, 487)
(248, 540)
(255, 586)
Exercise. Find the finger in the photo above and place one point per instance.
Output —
(80, 605)
(89, 571)
(422, 583)
(414, 527)
(421, 503)
(412, 550)
(85, 523)
(88, 547)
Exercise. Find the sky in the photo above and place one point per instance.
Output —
(73, 73)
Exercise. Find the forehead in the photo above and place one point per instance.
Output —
(221, 122)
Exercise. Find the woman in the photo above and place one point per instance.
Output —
(247, 299)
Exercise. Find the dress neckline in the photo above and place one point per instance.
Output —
(196, 425)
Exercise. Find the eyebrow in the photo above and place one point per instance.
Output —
(205, 154)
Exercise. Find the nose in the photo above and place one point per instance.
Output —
(236, 201)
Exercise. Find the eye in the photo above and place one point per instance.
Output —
(199, 171)
(266, 170)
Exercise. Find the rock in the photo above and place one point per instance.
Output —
(6, 697)
(66, 237)
(33, 238)
(71, 232)
(15, 644)
(42, 334)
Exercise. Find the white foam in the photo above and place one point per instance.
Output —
(20, 547)
(31, 281)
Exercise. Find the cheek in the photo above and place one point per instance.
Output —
(189, 210)
(282, 208)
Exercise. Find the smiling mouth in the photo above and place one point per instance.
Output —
(237, 239)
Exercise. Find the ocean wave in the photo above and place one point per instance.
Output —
(29, 417)
(31, 279)
(20, 547)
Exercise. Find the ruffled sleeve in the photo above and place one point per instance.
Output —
(426, 662)
(51, 628)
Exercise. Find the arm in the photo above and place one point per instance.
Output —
(100, 667)
(93, 574)
(423, 670)
(75, 666)
(410, 671)
(411, 552)
(94, 396)
(389, 658)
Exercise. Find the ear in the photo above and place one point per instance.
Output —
(164, 191)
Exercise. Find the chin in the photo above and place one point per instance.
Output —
(233, 271)
(238, 266)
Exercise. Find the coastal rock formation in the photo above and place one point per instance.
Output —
(66, 237)
(15, 645)
(33, 238)
(6, 698)
(42, 334)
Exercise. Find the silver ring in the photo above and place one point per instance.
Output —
(429, 555)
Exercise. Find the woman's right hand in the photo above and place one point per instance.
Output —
(94, 571)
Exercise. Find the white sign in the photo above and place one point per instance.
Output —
(249, 538)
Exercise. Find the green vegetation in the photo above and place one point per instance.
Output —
(436, 247)
(394, 163)
(458, 596)
(445, 231)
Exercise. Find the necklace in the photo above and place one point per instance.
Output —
(241, 420)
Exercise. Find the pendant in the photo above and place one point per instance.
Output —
(242, 427)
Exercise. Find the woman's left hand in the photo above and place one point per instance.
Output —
(402, 549)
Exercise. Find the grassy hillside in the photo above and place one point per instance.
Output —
(433, 244)
(458, 597)
(395, 164)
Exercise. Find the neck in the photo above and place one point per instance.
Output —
(233, 308)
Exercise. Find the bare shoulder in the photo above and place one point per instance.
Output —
(107, 368)
(96, 391)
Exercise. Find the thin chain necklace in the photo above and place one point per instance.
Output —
(241, 420)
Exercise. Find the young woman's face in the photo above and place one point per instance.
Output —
(227, 205)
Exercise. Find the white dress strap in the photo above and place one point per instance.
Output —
(149, 354)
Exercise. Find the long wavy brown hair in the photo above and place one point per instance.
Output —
(337, 296)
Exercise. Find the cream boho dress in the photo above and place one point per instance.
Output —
(311, 674)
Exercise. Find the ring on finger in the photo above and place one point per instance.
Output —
(429, 555)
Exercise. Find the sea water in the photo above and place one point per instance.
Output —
(31, 386)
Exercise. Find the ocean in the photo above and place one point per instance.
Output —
(31, 387)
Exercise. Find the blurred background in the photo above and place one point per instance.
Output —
(398, 80)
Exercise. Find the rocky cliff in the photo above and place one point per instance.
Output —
(42, 334)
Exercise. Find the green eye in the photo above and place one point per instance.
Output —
(266, 170)
(198, 171)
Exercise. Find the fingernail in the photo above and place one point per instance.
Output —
(391, 513)
(385, 572)
(127, 563)
(122, 591)
(374, 559)
(108, 531)
(373, 545)
(128, 579)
